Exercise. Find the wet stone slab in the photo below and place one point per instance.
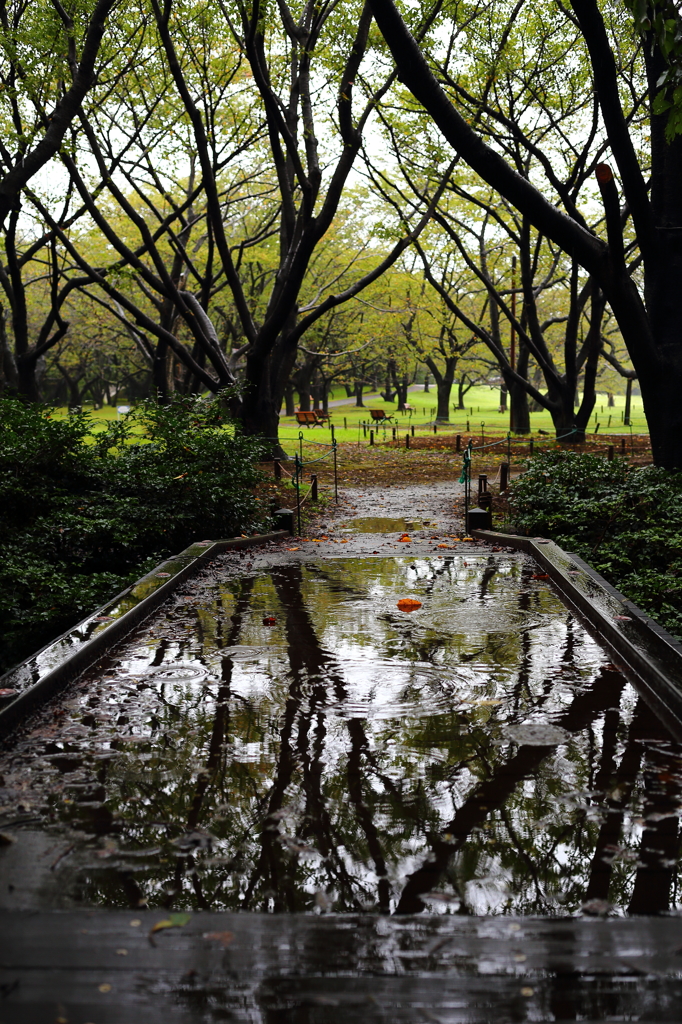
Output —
(283, 738)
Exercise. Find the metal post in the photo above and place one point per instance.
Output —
(336, 477)
(504, 477)
(622, 446)
(364, 429)
(313, 486)
(300, 447)
(610, 453)
(412, 429)
(331, 427)
(509, 447)
(298, 468)
(482, 432)
(278, 469)
(435, 428)
(345, 425)
(371, 438)
(395, 431)
(407, 440)
(458, 443)
(531, 446)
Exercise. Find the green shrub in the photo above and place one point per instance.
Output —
(625, 521)
(83, 514)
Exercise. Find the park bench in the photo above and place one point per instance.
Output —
(379, 415)
(323, 417)
(307, 419)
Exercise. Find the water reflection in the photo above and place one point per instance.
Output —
(288, 740)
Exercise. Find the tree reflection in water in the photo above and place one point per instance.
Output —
(352, 757)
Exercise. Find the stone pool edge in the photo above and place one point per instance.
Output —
(651, 654)
(85, 653)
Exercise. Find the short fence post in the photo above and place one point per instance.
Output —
(458, 443)
(364, 430)
(509, 447)
(371, 438)
(407, 440)
(331, 427)
(395, 431)
(610, 453)
(278, 469)
(531, 446)
(504, 477)
(468, 427)
(482, 483)
(435, 429)
(412, 429)
(622, 446)
(345, 424)
(298, 466)
(313, 486)
(336, 476)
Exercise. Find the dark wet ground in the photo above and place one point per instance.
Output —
(283, 737)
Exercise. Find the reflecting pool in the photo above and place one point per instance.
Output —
(285, 738)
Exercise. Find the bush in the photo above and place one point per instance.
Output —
(84, 514)
(625, 521)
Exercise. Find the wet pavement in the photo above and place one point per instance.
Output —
(284, 736)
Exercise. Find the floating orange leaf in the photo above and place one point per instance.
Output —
(408, 604)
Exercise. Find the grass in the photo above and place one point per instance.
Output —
(481, 407)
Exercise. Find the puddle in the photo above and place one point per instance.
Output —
(369, 524)
(286, 739)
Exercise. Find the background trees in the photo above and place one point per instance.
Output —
(254, 195)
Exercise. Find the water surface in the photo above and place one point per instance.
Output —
(284, 738)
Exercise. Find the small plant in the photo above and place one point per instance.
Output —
(83, 514)
(625, 521)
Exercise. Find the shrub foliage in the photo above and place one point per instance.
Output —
(625, 521)
(83, 514)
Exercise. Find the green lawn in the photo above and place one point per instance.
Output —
(482, 407)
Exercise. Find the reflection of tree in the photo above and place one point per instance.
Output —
(494, 791)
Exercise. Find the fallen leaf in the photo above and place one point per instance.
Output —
(540, 576)
(298, 549)
(408, 604)
(443, 546)
(224, 938)
(623, 618)
(105, 987)
(172, 921)
(163, 574)
(269, 620)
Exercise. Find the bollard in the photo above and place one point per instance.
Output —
(458, 443)
(395, 433)
(313, 486)
(284, 520)
(435, 429)
(364, 430)
(407, 440)
(371, 438)
(345, 425)
(278, 469)
(610, 453)
(504, 476)
(331, 427)
(412, 429)
(531, 446)
(468, 427)
(482, 483)
(622, 446)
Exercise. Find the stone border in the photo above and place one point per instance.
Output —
(649, 652)
(58, 663)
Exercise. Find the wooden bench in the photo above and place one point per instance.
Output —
(323, 417)
(379, 415)
(307, 419)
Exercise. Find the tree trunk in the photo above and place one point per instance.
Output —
(290, 404)
(27, 378)
(628, 403)
(503, 399)
(358, 395)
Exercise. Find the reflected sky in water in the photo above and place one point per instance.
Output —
(286, 739)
